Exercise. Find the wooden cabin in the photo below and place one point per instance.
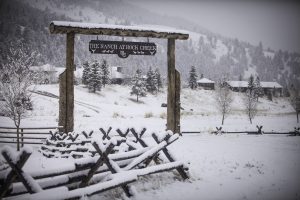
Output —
(206, 84)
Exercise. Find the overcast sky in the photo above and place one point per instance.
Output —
(274, 22)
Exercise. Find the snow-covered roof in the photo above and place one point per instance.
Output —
(43, 68)
(244, 84)
(239, 84)
(270, 85)
(205, 80)
(118, 30)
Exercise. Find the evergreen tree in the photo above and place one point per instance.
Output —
(94, 80)
(85, 73)
(105, 73)
(258, 88)
(151, 81)
(138, 85)
(201, 43)
(193, 78)
(158, 79)
(240, 77)
(251, 84)
(278, 63)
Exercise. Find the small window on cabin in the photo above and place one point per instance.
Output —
(119, 69)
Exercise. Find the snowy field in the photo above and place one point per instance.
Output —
(221, 166)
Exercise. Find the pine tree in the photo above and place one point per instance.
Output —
(251, 84)
(138, 85)
(258, 88)
(158, 79)
(151, 82)
(85, 73)
(240, 77)
(193, 78)
(105, 73)
(94, 80)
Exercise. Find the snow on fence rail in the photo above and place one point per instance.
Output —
(108, 169)
(33, 135)
(78, 145)
(259, 131)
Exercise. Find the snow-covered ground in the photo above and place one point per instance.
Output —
(114, 106)
(221, 166)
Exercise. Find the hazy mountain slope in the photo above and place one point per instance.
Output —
(212, 54)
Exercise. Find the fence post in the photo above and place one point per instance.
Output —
(22, 139)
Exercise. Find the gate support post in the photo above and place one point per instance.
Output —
(173, 109)
(177, 102)
(66, 88)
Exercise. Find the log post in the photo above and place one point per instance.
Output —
(62, 101)
(171, 86)
(66, 88)
(177, 102)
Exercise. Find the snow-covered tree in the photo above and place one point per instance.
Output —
(250, 99)
(295, 100)
(251, 83)
(95, 77)
(85, 73)
(158, 79)
(138, 85)
(224, 99)
(14, 85)
(193, 78)
(240, 77)
(105, 73)
(151, 82)
(258, 88)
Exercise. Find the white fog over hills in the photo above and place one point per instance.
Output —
(212, 54)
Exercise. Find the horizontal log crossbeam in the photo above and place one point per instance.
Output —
(61, 27)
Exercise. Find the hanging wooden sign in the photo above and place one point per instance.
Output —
(122, 48)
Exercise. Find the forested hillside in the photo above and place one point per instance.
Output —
(212, 55)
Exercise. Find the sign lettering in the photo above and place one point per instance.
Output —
(122, 48)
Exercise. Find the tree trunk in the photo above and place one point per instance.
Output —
(137, 98)
(250, 119)
(297, 117)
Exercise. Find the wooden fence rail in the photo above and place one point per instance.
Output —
(259, 131)
(9, 134)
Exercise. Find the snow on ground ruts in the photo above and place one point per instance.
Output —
(221, 166)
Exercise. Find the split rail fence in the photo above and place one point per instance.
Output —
(108, 169)
(259, 131)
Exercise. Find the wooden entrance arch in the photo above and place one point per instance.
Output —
(66, 88)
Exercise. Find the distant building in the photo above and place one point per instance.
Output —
(273, 88)
(117, 75)
(206, 84)
(44, 74)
